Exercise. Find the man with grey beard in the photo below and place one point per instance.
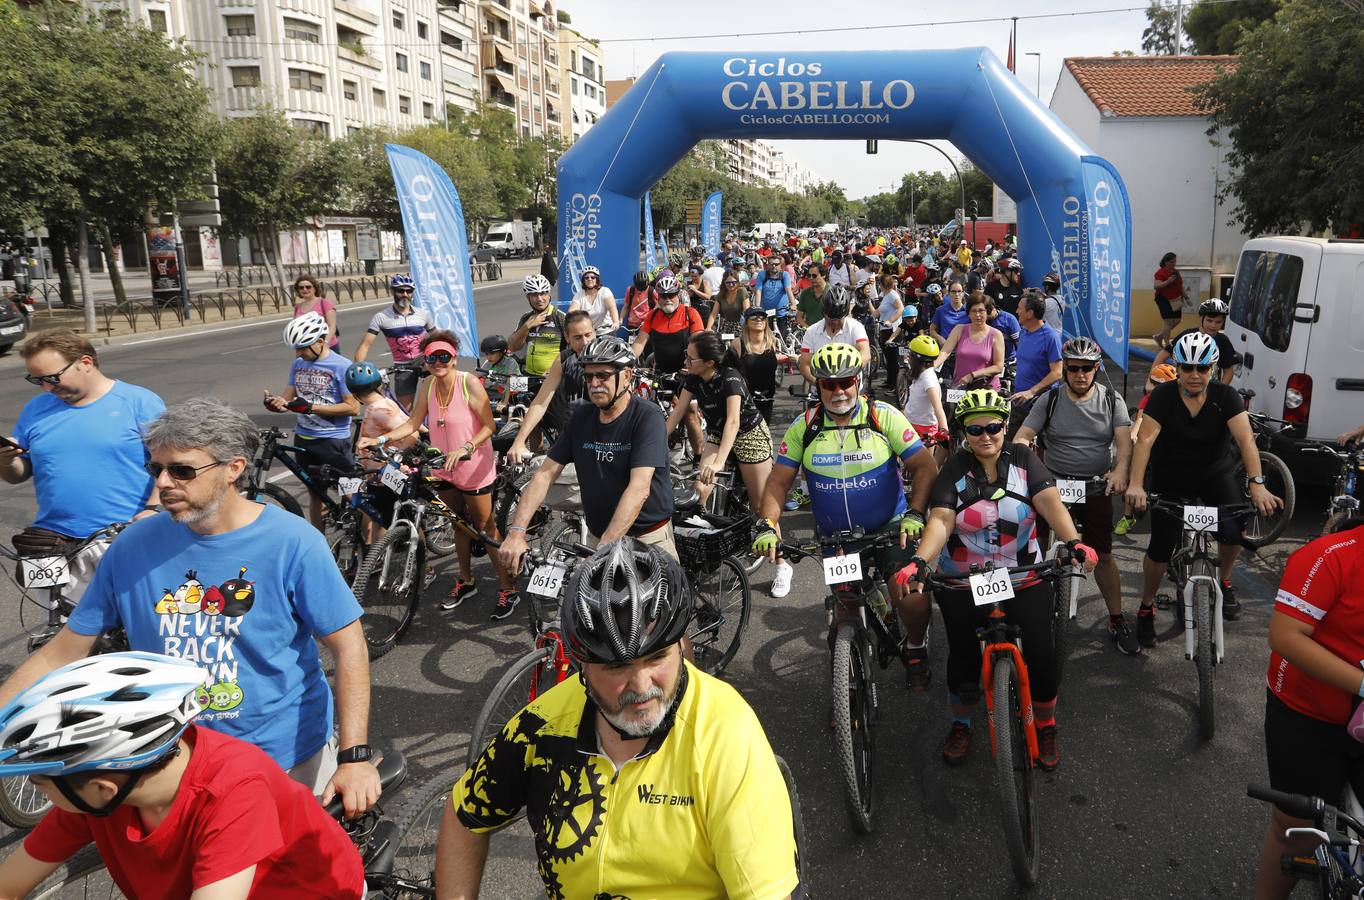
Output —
(641, 777)
(242, 590)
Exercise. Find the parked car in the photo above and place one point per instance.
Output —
(483, 253)
(13, 324)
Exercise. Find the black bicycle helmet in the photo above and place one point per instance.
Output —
(608, 351)
(627, 600)
(493, 343)
(836, 301)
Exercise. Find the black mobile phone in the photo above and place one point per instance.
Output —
(10, 443)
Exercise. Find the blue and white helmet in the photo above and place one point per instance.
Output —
(113, 711)
(398, 281)
(934, 289)
(1195, 349)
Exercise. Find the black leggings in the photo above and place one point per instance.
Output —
(1030, 609)
(1166, 530)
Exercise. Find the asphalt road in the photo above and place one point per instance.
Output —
(1140, 807)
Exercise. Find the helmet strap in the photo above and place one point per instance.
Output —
(107, 809)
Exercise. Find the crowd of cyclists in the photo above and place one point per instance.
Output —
(942, 405)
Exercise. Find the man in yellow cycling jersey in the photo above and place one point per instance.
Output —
(643, 777)
(853, 452)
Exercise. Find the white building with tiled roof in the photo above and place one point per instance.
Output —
(1139, 113)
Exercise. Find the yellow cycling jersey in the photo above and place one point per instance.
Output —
(702, 812)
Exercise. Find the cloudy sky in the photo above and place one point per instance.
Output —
(634, 34)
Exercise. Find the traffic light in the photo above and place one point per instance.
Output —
(871, 146)
(975, 210)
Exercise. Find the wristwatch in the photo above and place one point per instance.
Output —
(358, 753)
(1257, 479)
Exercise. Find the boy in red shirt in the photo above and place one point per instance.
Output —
(175, 810)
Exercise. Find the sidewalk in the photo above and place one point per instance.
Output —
(211, 303)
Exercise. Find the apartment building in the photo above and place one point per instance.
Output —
(518, 58)
(582, 70)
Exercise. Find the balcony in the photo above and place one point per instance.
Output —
(500, 8)
(355, 11)
(501, 98)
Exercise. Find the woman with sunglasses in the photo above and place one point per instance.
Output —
(597, 299)
(1187, 430)
(456, 411)
(309, 296)
(733, 423)
(726, 314)
(979, 347)
(756, 350)
(984, 509)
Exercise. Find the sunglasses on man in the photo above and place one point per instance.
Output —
(54, 379)
(838, 384)
(178, 471)
(1087, 367)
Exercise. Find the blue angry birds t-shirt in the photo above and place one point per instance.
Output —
(245, 605)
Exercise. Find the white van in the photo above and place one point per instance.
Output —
(1297, 319)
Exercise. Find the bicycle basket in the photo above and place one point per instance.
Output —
(703, 546)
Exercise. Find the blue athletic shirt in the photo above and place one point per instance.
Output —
(88, 460)
(245, 605)
(774, 293)
(321, 381)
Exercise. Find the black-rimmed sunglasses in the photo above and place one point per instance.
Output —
(991, 429)
(1084, 368)
(1200, 369)
(440, 356)
(179, 471)
(54, 379)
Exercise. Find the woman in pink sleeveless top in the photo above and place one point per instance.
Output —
(459, 418)
(979, 347)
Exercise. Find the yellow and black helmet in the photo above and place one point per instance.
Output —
(982, 402)
(836, 361)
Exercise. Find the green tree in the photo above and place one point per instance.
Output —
(1285, 108)
(1158, 38)
(1218, 27)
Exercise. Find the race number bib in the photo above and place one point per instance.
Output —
(546, 581)
(991, 587)
(1071, 491)
(350, 485)
(954, 395)
(840, 569)
(1200, 518)
(46, 571)
(519, 383)
(393, 478)
(728, 337)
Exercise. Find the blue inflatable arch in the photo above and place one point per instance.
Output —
(1073, 216)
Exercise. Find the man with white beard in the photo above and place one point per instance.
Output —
(242, 590)
(644, 776)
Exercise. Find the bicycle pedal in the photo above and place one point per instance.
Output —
(1164, 601)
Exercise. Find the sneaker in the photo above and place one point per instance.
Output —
(790, 505)
(1231, 607)
(1146, 626)
(918, 673)
(428, 576)
(458, 593)
(1124, 525)
(957, 745)
(1048, 753)
(1122, 635)
(801, 498)
(507, 601)
(781, 579)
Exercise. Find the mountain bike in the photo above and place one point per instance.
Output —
(710, 549)
(389, 580)
(542, 667)
(1067, 594)
(43, 572)
(862, 627)
(1343, 503)
(1335, 862)
(729, 501)
(398, 865)
(1008, 699)
(1193, 570)
(1264, 530)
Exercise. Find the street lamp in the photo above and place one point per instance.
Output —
(1039, 73)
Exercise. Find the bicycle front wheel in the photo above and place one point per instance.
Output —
(1263, 530)
(1203, 600)
(1014, 772)
(274, 495)
(529, 677)
(21, 804)
(852, 727)
(388, 585)
(414, 862)
(1062, 589)
(721, 603)
(82, 877)
(347, 545)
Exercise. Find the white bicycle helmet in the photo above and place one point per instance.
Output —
(536, 284)
(667, 286)
(113, 711)
(305, 331)
(1195, 349)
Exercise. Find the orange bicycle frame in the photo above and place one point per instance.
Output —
(987, 666)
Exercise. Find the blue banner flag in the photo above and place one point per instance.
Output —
(1105, 267)
(650, 257)
(438, 251)
(710, 223)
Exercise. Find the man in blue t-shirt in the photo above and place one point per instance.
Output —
(80, 441)
(317, 393)
(243, 590)
(773, 286)
(1039, 357)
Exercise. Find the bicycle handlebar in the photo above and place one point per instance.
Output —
(1302, 806)
(798, 551)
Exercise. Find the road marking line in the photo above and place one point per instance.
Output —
(280, 477)
(247, 349)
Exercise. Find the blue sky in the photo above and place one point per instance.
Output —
(846, 162)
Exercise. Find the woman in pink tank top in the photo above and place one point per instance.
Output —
(979, 347)
(459, 418)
